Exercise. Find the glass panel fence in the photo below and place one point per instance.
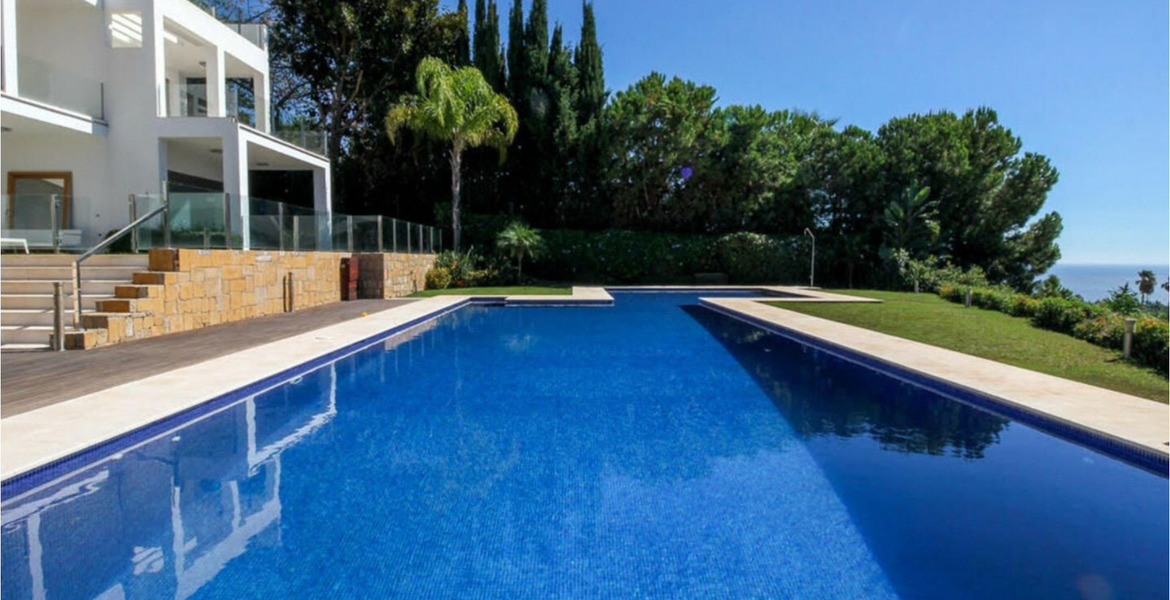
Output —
(204, 220)
(50, 221)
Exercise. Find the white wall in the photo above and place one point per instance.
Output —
(85, 157)
(199, 163)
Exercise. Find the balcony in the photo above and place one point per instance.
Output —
(55, 87)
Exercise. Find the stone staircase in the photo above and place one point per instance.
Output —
(26, 296)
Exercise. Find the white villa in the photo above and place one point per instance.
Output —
(106, 98)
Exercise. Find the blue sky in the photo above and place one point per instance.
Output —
(1084, 83)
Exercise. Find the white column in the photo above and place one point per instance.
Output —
(216, 84)
(11, 75)
(323, 206)
(235, 182)
(261, 90)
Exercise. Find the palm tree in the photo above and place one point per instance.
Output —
(910, 219)
(519, 239)
(456, 106)
(1147, 282)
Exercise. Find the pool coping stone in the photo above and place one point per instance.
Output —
(1134, 429)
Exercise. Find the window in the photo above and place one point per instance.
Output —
(125, 29)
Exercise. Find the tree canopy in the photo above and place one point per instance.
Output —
(663, 155)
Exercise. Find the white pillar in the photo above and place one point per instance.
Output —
(235, 182)
(216, 83)
(11, 75)
(261, 91)
(323, 207)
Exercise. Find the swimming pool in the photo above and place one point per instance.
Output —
(652, 449)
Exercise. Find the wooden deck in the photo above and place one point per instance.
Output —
(30, 380)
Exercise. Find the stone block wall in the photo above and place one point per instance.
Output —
(189, 289)
(391, 275)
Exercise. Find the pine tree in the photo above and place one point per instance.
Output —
(590, 76)
(462, 50)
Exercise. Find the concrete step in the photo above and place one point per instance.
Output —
(66, 260)
(30, 316)
(45, 301)
(88, 287)
(26, 334)
(24, 347)
(65, 273)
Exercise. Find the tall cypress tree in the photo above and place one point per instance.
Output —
(536, 46)
(590, 77)
(493, 44)
(486, 43)
(477, 35)
(462, 50)
(516, 86)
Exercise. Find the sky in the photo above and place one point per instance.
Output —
(1085, 83)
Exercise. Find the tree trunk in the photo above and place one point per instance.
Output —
(456, 164)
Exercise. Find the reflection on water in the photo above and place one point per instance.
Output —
(908, 419)
(163, 518)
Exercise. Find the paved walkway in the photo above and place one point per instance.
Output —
(31, 380)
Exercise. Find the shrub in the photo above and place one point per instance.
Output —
(756, 258)
(1061, 315)
(1151, 343)
(438, 278)
(1022, 306)
(619, 256)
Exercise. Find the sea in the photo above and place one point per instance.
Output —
(1094, 281)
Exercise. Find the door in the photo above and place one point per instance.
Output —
(30, 196)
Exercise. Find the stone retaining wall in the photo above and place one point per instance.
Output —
(190, 289)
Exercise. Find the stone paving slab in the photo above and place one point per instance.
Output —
(1112, 414)
(39, 437)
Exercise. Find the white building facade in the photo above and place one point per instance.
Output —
(106, 98)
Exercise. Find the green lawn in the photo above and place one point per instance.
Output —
(993, 335)
(496, 291)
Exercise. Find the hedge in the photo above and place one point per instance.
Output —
(620, 256)
(1089, 322)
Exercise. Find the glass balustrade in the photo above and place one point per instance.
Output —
(212, 220)
(57, 87)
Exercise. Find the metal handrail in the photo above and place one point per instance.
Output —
(102, 246)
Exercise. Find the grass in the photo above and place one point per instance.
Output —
(992, 335)
(519, 290)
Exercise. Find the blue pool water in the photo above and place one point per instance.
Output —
(654, 449)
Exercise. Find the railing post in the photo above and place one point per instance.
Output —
(58, 317)
(134, 217)
(227, 220)
(296, 234)
(166, 216)
(1127, 341)
(379, 234)
(77, 295)
(280, 224)
(432, 230)
(394, 235)
(54, 212)
(420, 239)
(408, 238)
(349, 233)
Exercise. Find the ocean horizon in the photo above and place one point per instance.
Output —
(1094, 281)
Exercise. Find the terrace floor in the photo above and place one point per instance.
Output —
(31, 380)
